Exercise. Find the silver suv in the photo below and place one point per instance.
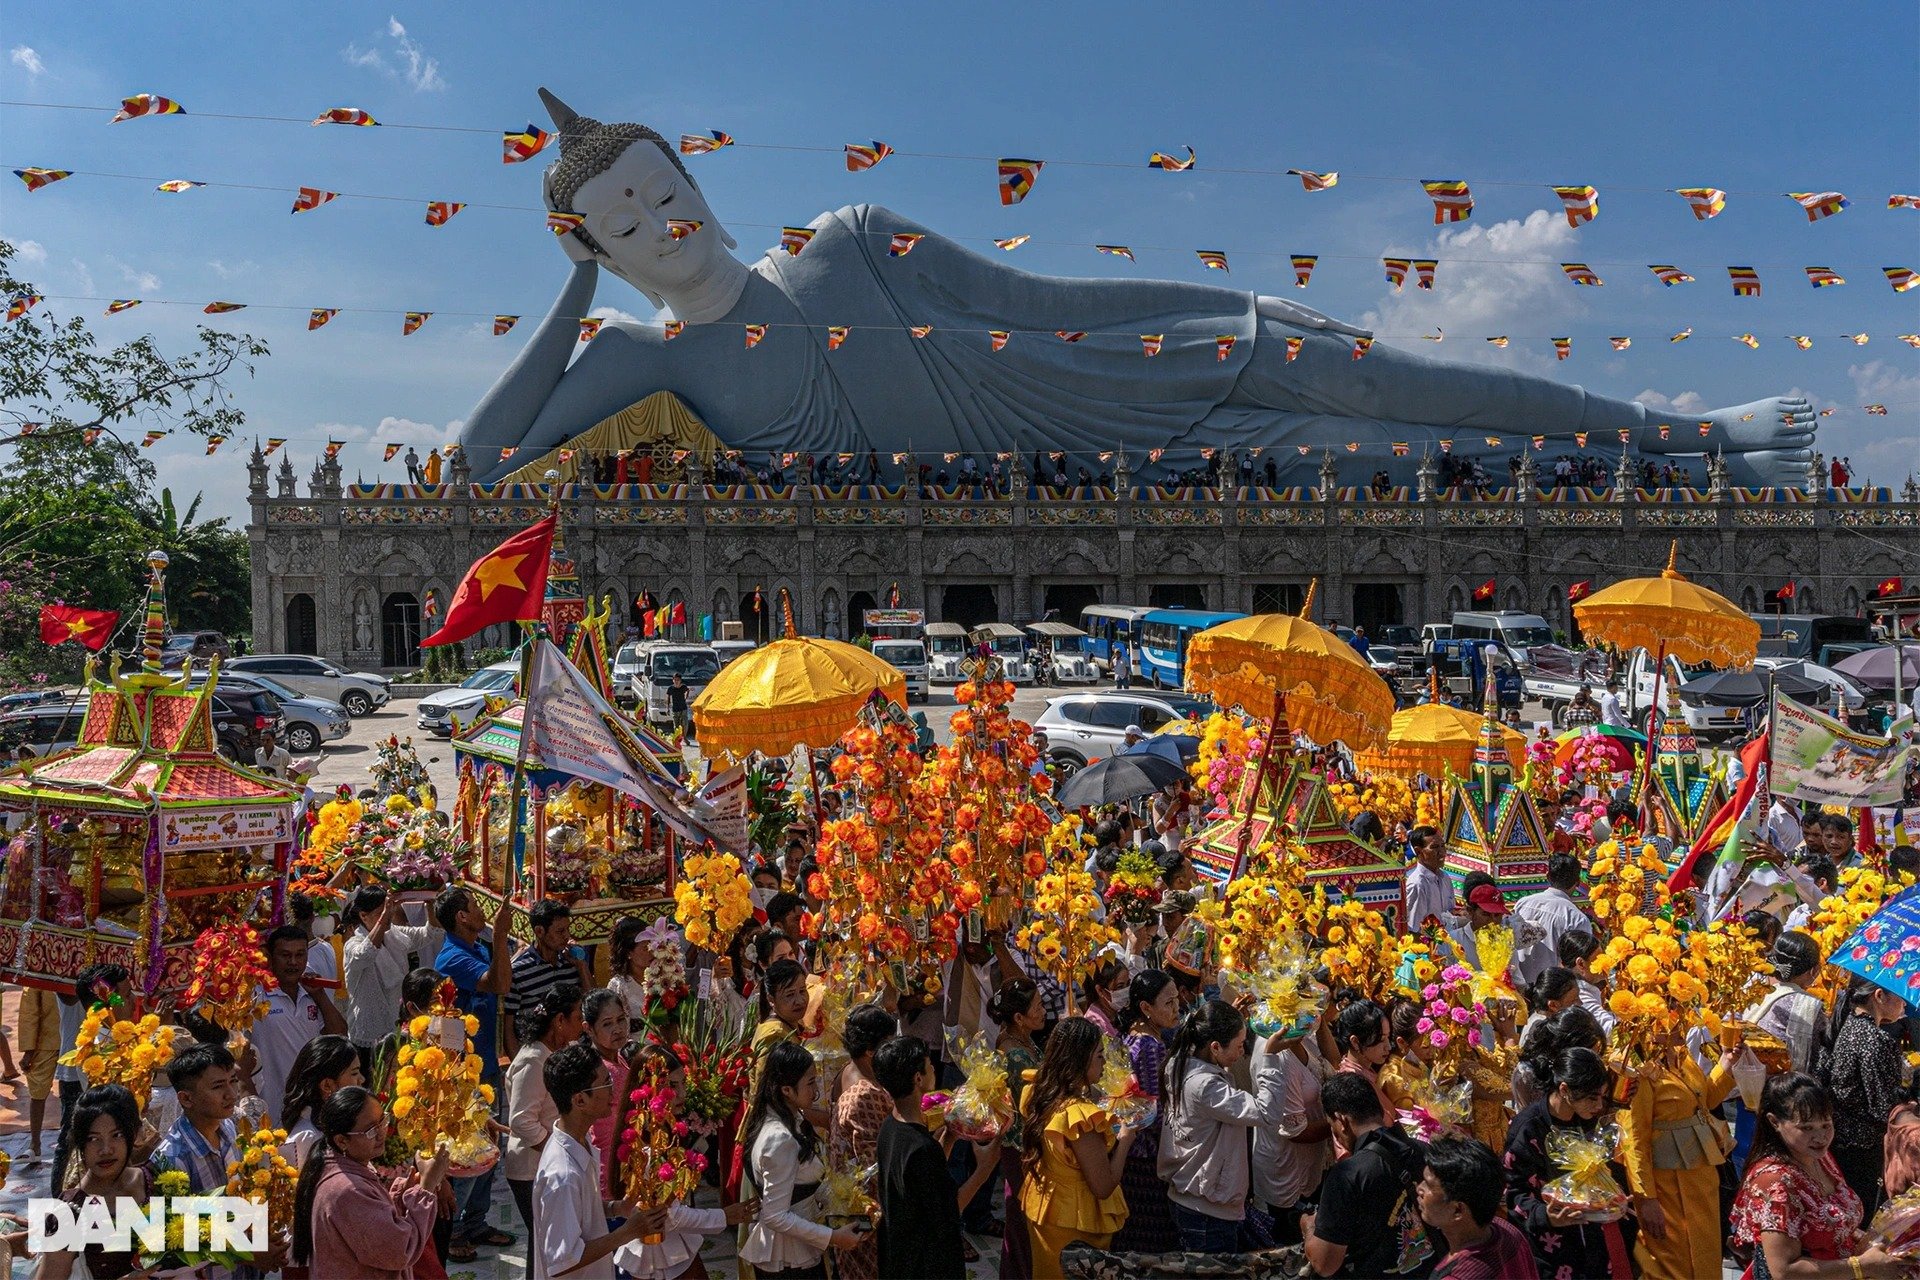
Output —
(1084, 727)
(358, 691)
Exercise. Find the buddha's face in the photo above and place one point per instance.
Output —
(629, 209)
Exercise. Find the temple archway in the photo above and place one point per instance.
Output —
(857, 605)
(1177, 595)
(969, 603)
(400, 630)
(303, 628)
(1068, 599)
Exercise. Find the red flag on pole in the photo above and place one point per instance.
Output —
(91, 627)
(508, 584)
(1483, 594)
(1579, 591)
(1887, 587)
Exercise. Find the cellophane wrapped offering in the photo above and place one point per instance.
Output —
(1286, 998)
(979, 1109)
(1588, 1182)
(845, 1194)
(1896, 1227)
(1439, 1110)
(1121, 1095)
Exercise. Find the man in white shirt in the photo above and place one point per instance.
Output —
(1781, 827)
(377, 961)
(1430, 890)
(570, 1230)
(1610, 712)
(297, 1012)
(1541, 919)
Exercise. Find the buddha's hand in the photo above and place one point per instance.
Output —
(1292, 313)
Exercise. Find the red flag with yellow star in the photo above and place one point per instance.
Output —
(508, 584)
(91, 627)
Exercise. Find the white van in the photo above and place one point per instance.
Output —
(946, 650)
(1513, 631)
(909, 657)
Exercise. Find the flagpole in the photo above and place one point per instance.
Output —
(516, 794)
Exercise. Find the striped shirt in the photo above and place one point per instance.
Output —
(534, 977)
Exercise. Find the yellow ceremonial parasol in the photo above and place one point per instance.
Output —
(796, 691)
(1330, 692)
(1435, 739)
(1670, 615)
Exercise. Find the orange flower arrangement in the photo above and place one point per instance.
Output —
(228, 974)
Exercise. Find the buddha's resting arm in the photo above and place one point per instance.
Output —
(1303, 317)
(515, 400)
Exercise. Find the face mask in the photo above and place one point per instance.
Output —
(1121, 999)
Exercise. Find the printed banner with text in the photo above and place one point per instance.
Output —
(1818, 759)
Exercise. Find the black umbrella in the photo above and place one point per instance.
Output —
(1744, 688)
(1118, 779)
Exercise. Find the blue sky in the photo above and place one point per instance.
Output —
(1757, 99)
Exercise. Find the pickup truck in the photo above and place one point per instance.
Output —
(1553, 677)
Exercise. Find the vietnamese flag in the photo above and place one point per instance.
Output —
(1579, 591)
(1483, 593)
(508, 584)
(91, 627)
(679, 616)
(1888, 587)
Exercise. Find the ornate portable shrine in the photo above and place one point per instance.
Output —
(1490, 822)
(126, 846)
(1681, 793)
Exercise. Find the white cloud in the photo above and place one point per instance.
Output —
(615, 314)
(228, 270)
(409, 62)
(143, 281)
(1685, 402)
(1883, 450)
(82, 277)
(31, 251)
(23, 57)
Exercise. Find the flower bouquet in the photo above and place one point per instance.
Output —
(1121, 1094)
(188, 1233)
(634, 870)
(397, 770)
(981, 1108)
(712, 900)
(1134, 889)
(1449, 1026)
(664, 980)
(406, 847)
(1440, 1109)
(569, 863)
(1064, 933)
(110, 1051)
(1625, 880)
(1896, 1227)
(654, 1169)
(227, 977)
(717, 1060)
(262, 1175)
(438, 1096)
(1285, 996)
(846, 1194)
(1588, 1183)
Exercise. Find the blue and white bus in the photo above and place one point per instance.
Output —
(1164, 634)
(1108, 624)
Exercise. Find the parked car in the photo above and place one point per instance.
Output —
(1069, 648)
(33, 698)
(909, 657)
(946, 650)
(310, 722)
(358, 691)
(436, 712)
(695, 664)
(241, 717)
(193, 648)
(1084, 727)
(728, 650)
(627, 665)
(44, 729)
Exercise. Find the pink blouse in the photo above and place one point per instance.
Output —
(363, 1225)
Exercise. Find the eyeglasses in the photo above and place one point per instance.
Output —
(379, 1127)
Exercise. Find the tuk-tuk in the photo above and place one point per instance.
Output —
(946, 648)
(1060, 653)
(1007, 643)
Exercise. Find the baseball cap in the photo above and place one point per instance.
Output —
(1488, 899)
(1134, 731)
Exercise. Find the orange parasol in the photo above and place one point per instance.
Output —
(1672, 615)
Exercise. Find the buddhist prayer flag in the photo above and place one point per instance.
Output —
(38, 178)
(273, 442)
(1857, 339)
(1800, 340)
(860, 159)
(525, 145)
(1499, 341)
(502, 324)
(919, 330)
(152, 437)
(1877, 410)
(333, 448)
(1578, 591)
(508, 451)
(590, 327)
(1316, 181)
(1581, 273)
(508, 584)
(998, 337)
(1911, 339)
(1670, 275)
(1017, 177)
(1887, 587)
(1304, 449)
(438, 211)
(560, 222)
(1493, 442)
(1452, 202)
(1620, 344)
(310, 198)
(1626, 435)
(1353, 446)
(1117, 250)
(1746, 340)
(413, 322)
(214, 443)
(1423, 269)
(344, 115)
(1666, 431)
(1822, 277)
(1213, 258)
(319, 316)
(146, 104)
(1438, 335)
(1396, 270)
(697, 144)
(794, 239)
(1150, 343)
(1223, 346)
(1819, 204)
(1401, 448)
(1683, 335)
(1582, 204)
(1580, 439)
(387, 454)
(673, 328)
(1539, 442)
(1483, 593)
(174, 186)
(1173, 164)
(1706, 202)
(1746, 282)
(92, 628)
(1903, 202)
(1303, 268)
(1901, 278)
(1012, 242)
(681, 228)
(90, 434)
(118, 305)
(221, 308)
(1361, 346)
(1293, 348)
(836, 334)
(1069, 335)
(1562, 347)
(902, 243)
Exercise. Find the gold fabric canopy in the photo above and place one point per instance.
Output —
(1672, 614)
(1331, 693)
(792, 692)
(661, 418)
(1434, 738)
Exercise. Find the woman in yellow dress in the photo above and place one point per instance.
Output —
(1071, 1156)
(1673, 1149)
